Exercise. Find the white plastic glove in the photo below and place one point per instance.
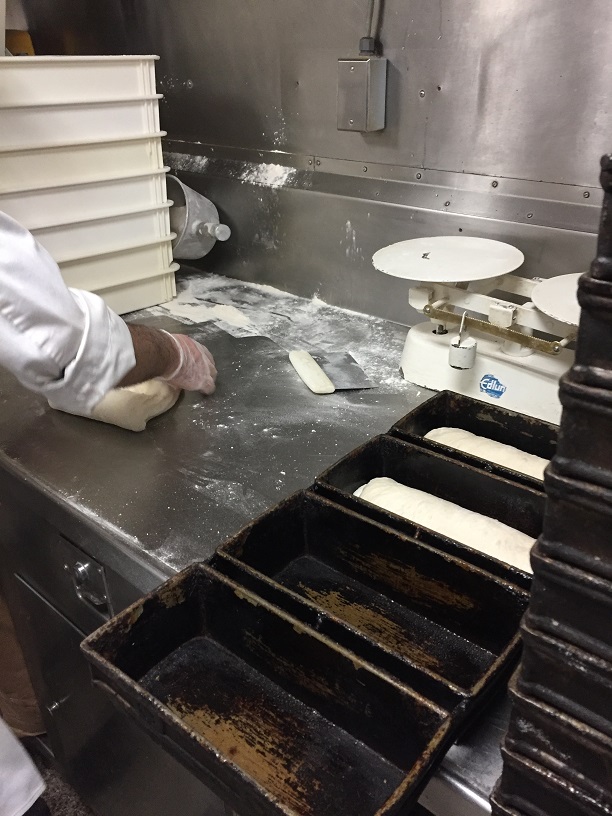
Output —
(196, 370)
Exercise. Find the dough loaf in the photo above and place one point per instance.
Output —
(479, 532)
(132, 407)
(496, 452)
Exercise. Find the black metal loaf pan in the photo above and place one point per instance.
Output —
(435, 622)
(448, 409)
(530, 789)
(516, 505)
(579, 520)
(572, 604)
(583, 689)
(497, 809)
(269, 713)
(562, 744)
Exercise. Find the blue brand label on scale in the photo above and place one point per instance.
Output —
(492, 387)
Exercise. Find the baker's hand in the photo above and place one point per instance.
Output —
(196, 368)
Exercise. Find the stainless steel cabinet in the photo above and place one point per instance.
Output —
(117, 769)
(58, 593)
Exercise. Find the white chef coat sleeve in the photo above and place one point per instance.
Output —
(20, 783)
(63, 343)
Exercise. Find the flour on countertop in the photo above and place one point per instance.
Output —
(202, 314)
(253, 309)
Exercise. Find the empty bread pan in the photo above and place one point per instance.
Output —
(572, 750)
(516, 505)
(446, 628)
(269, 713)
(450, 410)
(566, 677)
(536, 791)
(572, 604)
(578, 520)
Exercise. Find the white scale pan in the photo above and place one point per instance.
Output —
(448, 259)
(558, 298)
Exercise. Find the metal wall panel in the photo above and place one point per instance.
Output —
(497, 114)
(511, 89)
(317, 231)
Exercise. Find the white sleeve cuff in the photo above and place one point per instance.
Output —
(105, 356)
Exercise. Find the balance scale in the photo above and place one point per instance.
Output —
(476, 342)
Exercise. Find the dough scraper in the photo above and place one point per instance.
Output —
(326, 372)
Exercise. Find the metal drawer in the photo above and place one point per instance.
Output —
(72, 580)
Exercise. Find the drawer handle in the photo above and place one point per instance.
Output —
(56, 705)
(84, 577)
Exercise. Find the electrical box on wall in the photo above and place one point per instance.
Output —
(362, 90)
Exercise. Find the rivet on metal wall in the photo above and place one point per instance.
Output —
(318, 162)
(421, 94)
(351, 121)
(494, 183)
(529, 215)
(586, 194)
(309, 161)
(365, 169)
(418, 175)
(447, 203)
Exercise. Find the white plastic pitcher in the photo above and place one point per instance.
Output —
(195, 220)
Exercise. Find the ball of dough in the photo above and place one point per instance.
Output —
(132, 407)
(495, 452)
(476, 531)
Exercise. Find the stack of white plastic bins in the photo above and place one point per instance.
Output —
(81, 167)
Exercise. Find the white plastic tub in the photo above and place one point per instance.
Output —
(103, 235)
(106, 269)
(126, 270)
(40, 80)
(57, 124)
(44, 166)
(130, 296)
(77, 202)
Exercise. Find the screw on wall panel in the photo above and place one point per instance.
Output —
(365, 169)
(418, 175)
(421, 94)
(529, 215)
(377, 195)
(189, 84)
(318, 162)
(351, 121)
(494, 183)
(352, 67)
(447, 203)
(586, 194)
(309, 161)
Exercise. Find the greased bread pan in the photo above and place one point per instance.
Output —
(583, 689)
(270, 714)
(446, 628)
(572, 604)
(572, 750)
(450, 410)
(536, 791)
(516, 505)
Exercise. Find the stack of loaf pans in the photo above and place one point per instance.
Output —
(331, 652)
(558, 750)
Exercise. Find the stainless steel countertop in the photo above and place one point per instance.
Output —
(168, 496)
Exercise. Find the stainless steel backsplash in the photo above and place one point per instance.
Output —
(497, 113)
